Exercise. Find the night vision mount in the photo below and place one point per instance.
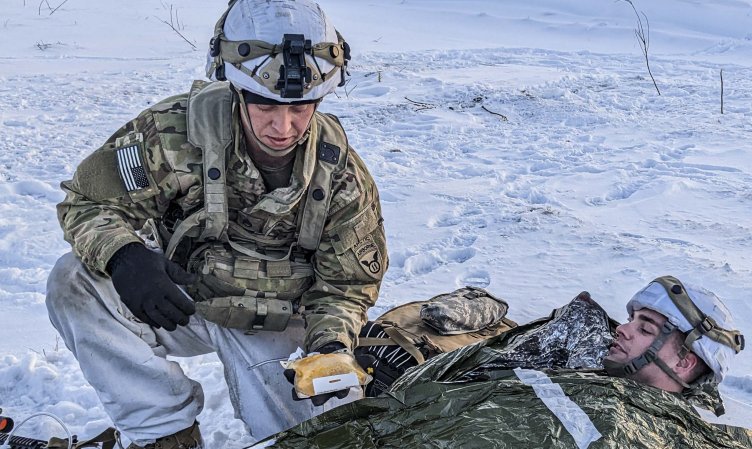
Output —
(294, 75)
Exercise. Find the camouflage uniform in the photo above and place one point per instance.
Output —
(99, 215)
(103, 211)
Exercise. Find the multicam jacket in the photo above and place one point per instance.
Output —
(148, 172)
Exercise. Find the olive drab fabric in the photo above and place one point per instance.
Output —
(506, 413)
(150, 175)
(528, 387)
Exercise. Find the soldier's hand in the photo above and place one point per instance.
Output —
(146, 282)
(333, 359)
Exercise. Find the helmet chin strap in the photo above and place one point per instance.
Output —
(256, 142)
(650, 355)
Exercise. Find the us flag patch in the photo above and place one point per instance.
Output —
(132, 168)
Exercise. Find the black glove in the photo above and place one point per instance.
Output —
(319, 399)
(384, 363)
(145, 281)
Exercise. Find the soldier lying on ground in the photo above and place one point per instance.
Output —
(254, 201)
(543, 384)
(665, 353)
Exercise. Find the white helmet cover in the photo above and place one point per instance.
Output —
(716, 355)
(268, 21)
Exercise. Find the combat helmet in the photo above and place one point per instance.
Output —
(278, 51)
(695, 311)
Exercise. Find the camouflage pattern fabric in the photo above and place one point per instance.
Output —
(451, 314)
(148, 170)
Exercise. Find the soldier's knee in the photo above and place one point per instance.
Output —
(64, 279)
(62, 272)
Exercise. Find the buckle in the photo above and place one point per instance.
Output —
(706, 325)
(219, 73)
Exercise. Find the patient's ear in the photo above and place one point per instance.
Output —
(687, 364)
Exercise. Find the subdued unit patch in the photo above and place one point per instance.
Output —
(369, 256)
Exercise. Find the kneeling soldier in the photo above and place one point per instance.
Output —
(235, 219)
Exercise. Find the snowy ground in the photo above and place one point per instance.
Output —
(518, 148)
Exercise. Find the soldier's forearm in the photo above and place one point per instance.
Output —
(96, 233)
(338, 316)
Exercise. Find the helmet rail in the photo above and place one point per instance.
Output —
(702, 324)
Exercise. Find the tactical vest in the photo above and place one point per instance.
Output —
(251, 284)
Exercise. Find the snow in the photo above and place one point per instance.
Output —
(518, 146)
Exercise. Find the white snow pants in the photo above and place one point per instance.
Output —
(148, 396)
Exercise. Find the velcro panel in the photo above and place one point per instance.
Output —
(215, 198)
(278, 268)
(246, 268)
(98, 177)
(354, 230)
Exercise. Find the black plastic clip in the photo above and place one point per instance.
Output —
(214, 47)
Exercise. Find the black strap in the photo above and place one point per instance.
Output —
(650, 354)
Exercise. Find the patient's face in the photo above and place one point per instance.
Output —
(636, 335)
